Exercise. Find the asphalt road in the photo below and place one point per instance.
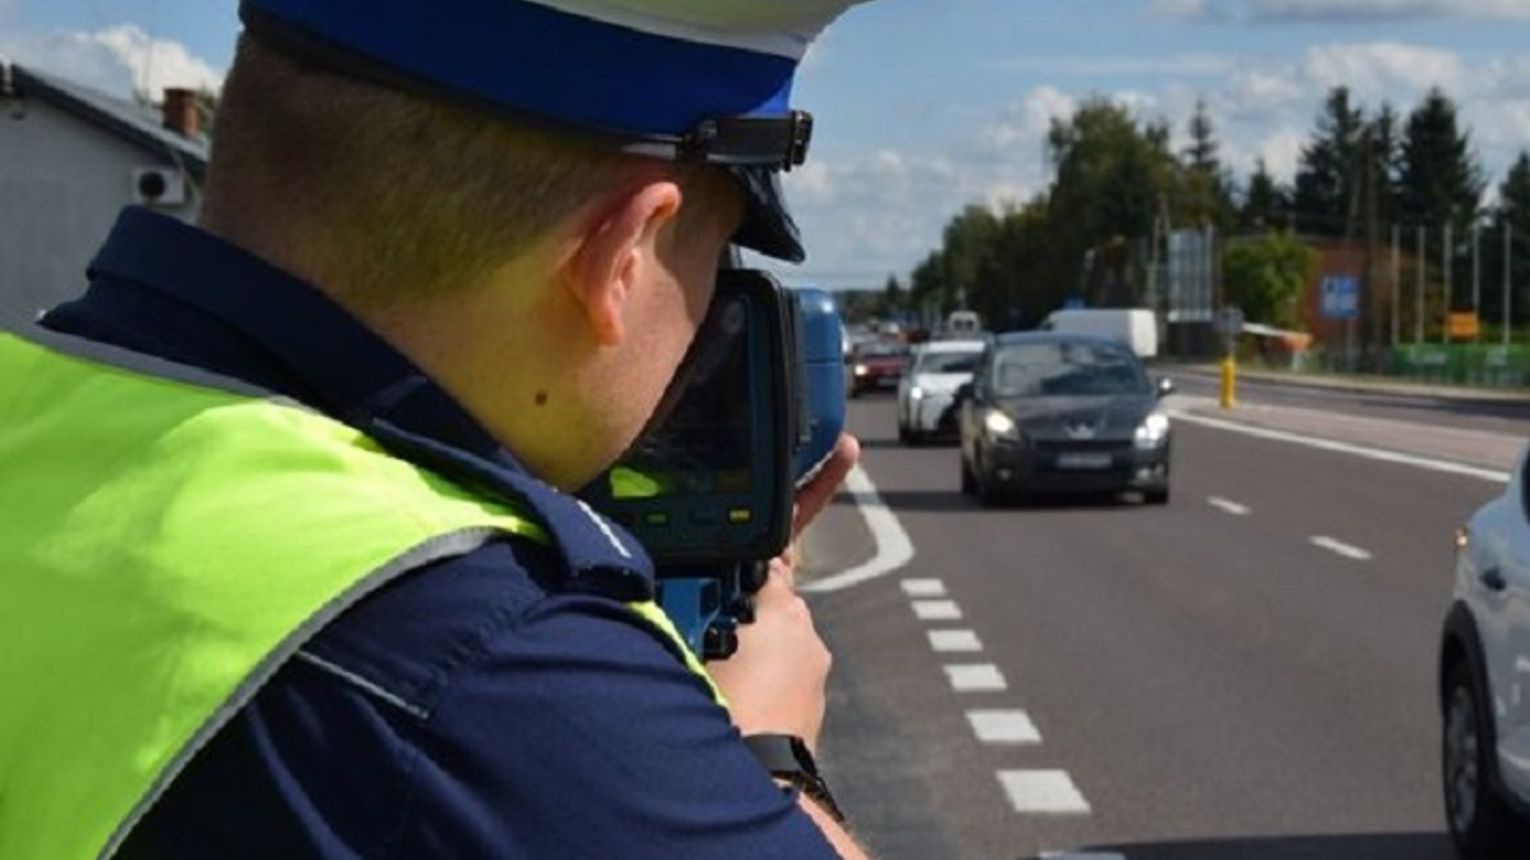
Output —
(1499, 415)
(1246, 673)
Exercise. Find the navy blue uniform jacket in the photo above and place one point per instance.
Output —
(490, 705)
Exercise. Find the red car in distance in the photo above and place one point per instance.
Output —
(877, 366)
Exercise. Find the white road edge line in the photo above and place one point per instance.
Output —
(1381, 455)
(976, 678)
(1338, 547)
(955, 641)
(1003, 727)
(894, 549)
(1229, 506)
(1043, 792)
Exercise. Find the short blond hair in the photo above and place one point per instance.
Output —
(401, 193)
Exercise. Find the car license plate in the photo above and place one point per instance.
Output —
(1084, 462)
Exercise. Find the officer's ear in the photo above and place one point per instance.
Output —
(615, 255)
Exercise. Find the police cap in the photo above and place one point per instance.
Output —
(694, 81)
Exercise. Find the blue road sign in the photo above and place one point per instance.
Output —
(1341, 297)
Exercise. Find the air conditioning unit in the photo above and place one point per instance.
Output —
(159, 186)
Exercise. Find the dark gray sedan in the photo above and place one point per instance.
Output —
(1063, 413)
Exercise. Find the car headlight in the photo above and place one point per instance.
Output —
(861, 370)
(916, 393)
(1001, 426)
(1153, 432)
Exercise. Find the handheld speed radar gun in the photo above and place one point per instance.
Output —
(754, 413)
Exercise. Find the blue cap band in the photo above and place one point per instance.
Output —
(531, 59)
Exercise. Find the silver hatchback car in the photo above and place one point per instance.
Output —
(1485, 681)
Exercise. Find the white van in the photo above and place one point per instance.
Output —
(1136, 327)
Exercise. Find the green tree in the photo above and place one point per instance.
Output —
(1326, 176)
(1512, 213)
(1266, 277)
(893, 303)
(1441, 180)
(1206, 187)
(1266, 205)
(1112, 175)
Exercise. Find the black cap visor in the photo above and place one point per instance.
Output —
(768, 227)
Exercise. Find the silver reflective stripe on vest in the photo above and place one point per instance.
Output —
(436, 549)
(147, 365)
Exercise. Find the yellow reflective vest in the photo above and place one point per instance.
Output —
(167, 541)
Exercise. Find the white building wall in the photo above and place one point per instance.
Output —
(62, 183)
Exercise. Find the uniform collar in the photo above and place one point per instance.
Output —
(351, 374)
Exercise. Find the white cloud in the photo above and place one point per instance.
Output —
(122, 60)
(864, 217)
(1336, 11)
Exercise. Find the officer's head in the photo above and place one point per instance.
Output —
(529, 199)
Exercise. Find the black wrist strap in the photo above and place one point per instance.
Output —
(788, 758)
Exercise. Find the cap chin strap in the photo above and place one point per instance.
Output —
(776, 143)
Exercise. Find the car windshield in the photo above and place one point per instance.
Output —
(948, 362)
(1067, 369)
(881, 350)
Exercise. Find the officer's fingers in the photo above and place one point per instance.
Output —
(813, 498)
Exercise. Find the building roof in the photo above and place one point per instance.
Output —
(132, 122)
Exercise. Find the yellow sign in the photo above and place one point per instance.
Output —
(1465, 326)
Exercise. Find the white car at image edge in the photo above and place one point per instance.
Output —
(927, 394)
(1485, 681)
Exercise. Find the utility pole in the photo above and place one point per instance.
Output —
(1508, 283)
(1448, 253)
(1396, 286)
(1421, 263)
(1477, 277)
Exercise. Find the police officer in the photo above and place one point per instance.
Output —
(289, 565)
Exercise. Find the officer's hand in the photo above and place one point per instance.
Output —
(775, 682)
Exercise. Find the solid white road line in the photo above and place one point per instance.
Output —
(894, 549)
(955, 641)
(937, 610)
(1344, 448)
(1339, 547)
(1043, 792)
(924, 588)
(976, 678)
(1003, 727)
(1075, 855)
(1229, 506)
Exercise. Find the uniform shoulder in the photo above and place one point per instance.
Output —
(406, 641)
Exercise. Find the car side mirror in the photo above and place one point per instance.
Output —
(1165, 387)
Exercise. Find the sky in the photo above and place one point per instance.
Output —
(926, 106)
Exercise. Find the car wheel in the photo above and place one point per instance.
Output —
(1481, 823)
(904, 436)
(1156, 497)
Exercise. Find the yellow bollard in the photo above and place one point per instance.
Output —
(1229, 383)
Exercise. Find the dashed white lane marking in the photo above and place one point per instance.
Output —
(924, 588)
(937, 610)
(976, 678)
(1003, 727)
(894, 549)
(1043, 792)
(1341, 548)
(1228, 506)
(955, 641)
(1383, 455)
